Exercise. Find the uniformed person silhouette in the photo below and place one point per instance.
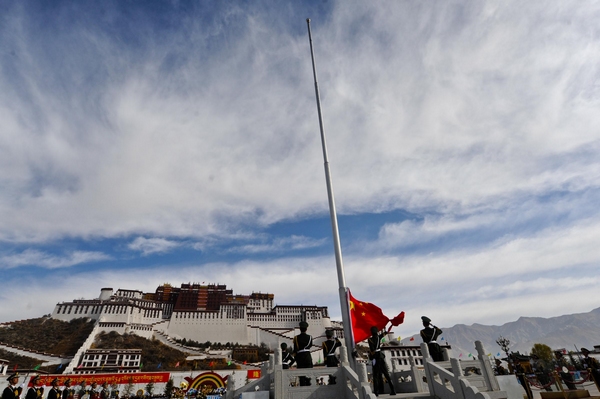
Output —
(430, 334)
(67, 392)
(54, 392)
(93, 392)
(104, 393)
(329, 347)
(562, 366)
(302, 345)
(592, 364)
(377, 358)
(12, 391)
(35, 391)
(286, 357)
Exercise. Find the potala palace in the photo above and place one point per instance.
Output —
(198, 312)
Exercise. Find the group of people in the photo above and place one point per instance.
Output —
(563, 367)
(36, 391)
(301, 354)
(546, 372)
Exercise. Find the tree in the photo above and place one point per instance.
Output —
(263, 351)
(169, 388)
(504, 343)
(150, 388)
(114, 392)
(544, 353)
(128, 390)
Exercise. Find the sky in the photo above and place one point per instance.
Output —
(156, 142)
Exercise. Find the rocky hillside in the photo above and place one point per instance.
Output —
(155, 353)
(24, 362)
(47, 335)
(568, 331)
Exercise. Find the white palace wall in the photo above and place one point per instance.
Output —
(202, 326)
(73, 310)
(126, 312)
(114, 312)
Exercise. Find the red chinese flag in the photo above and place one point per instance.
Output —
(396, 321)
(365, 315)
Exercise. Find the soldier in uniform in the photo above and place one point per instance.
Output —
(104, 393)
(93, 391)
(329, 347)
(377, 358)
(12, 391)
(35, 391)
(286, 357)
(67, 392)
(82, 390)
(54, 392)
(592, 364)
(430, 334)
(302, 345)
(562, 366)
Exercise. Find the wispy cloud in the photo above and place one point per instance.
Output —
(149, 246)
(279, 245)
(203, 134)
(469, 127)
(31, 257)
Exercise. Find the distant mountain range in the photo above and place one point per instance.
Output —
(568, 331)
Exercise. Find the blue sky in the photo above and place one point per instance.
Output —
(151, 142)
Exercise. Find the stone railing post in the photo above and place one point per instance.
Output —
(425, 352)
(456, 368)
(365, 386)
(445, 354)
(343, 355)
(486, 368)
(416, 374)
(278, 357)
(230, 386)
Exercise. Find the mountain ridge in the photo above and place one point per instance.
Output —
(572, 332)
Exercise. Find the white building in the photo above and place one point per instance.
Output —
(251, 321)
(398, 356)
(110, 361)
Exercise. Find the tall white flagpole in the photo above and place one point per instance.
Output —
(343, 290)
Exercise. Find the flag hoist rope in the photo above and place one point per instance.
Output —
(334, 224)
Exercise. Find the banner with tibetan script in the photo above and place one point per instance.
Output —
(110, 378)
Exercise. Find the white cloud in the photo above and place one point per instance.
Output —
(494, 285)
(451, 107)
(149, 246)
(45, 260)
(475, 116)
(293, 242)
